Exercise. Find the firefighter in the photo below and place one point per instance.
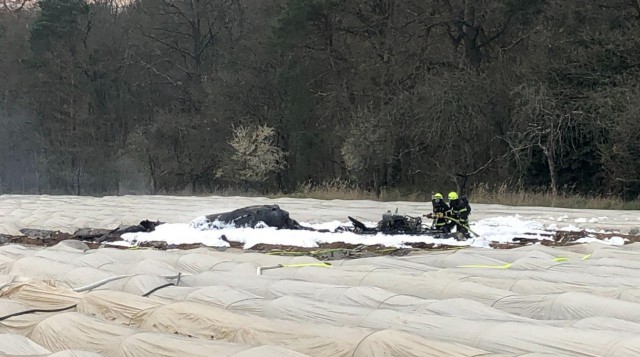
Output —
(459, 211)
(440, 208)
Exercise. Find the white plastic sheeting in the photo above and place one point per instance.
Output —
(17, 345)
(199, 320)
(528, 301)
(412, 285)
(364, 296)
(207, 322)
(75, 353)
(73, 330)
(567, 306)
(12, 345)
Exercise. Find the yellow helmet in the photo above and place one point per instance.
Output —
(437, 196)
(453, 196)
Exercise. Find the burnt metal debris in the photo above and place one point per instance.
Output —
(274, 216)
(251, 216)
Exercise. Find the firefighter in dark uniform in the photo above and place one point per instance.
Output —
(459, 209)
(440, 208)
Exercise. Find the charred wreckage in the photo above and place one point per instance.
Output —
(261, 216)
(274, 216)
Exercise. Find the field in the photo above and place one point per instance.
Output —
(261, 292)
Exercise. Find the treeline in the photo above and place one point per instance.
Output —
(166, 96)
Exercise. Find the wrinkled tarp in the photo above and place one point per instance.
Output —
(72, 330)
(525, 301)
(17, 345)
(205, 321)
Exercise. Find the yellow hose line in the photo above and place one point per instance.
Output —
(508, 265)
(302, 265)
(564, 259)
(312, 252)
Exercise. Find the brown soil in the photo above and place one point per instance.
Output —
(43, 240)
(325, 251)
(567, 238)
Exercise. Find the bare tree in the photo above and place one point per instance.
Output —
(192, 32)
(538, 120)
(477, 24)
(619, 155)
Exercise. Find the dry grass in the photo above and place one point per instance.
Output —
(345, 190)
(544, 198)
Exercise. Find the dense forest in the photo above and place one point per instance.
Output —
(165, 96)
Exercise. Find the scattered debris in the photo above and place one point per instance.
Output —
(331, 251)
(116, 234)
(39, 237)
(161, 245)
(90, 233)
(570, 237)
(95, 238)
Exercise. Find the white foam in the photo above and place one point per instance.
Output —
(495, 229)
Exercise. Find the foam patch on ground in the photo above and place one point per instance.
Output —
(496, 229)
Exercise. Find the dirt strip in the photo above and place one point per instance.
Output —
(325, 251)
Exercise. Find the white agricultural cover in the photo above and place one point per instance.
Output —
(339, 310)
(69, 300)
